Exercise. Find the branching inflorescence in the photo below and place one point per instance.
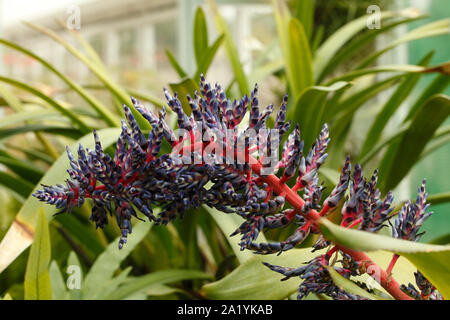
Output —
(224, 156)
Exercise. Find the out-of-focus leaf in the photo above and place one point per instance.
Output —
(309, 109)
(304, 12)
(432, 260)
(295, 48)
(230, 48)
(254, 281)
(208, 57)
(299, 63)
(405, 153)
(101, 109)
(140, 284)
(393, 103)
(37, 279)
(175, 65)
(22, 116)
(109, 261)
(52, 129)
(59, 291)
(438, 85)
(337, 40)
(57, 106)
(402, 68)
(101, 74)
(76, 273)
(20, 234)
(200, 35)
(183, 88)
(23, 168)
(434, 28)
(80, 232)
(19, 186)
(228, 223)
(353, 48)
(349, 286)
(111, 285)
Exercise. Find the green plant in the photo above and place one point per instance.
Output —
(332, 85)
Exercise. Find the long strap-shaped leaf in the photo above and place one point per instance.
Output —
(432, 29)
(37, 279)
(333, 44)
(230, 48)
(115, 89)
(393, 103)
(401, 156)
(432, 260)
(20, 234)
(56, 105)
(102, 111)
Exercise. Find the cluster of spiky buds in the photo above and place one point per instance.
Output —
(411, 217)
(208, 148)
(427, 290)
(220, 160)
(317, 279)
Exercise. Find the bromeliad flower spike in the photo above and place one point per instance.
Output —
(224, 156)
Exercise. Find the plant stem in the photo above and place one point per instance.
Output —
(392, 264)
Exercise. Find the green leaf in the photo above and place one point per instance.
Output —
(23, 168)
(101, 109)
(183, 88)
(22, 116)
(52, 129)
(349, 286)
(230, 47)
(338, 39)
(84, 234)
(254, 281)
(208, 57)
(59, 291)
(175, 65)
(109, 261)
(20, 234)
(140, 284)
(228, 223)
(304, 11)
(73, 262)
(20, 187)
(434, 28)
(200, 35)
(111, 285)
(37, 279)
(432, 260)
(407, 151)
(393, 103)
(100, 73)
(354, 47)
(438, 85)
(56, 105)
(299, 63)
(309, 109)
(403, 68)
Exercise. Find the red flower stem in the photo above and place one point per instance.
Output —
(293, 198)
(392, 263)
(377, 273)
(354, 223)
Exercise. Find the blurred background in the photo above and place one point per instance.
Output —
(132, 39)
